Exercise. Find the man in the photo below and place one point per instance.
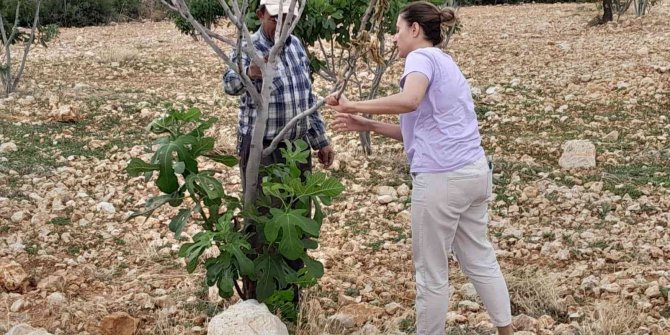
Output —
(291, 93)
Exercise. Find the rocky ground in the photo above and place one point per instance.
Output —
(584, 250)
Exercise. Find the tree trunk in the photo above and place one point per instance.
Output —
(607, 11)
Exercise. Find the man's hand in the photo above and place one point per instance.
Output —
(326, 156)
(254, 72)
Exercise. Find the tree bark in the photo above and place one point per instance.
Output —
(607, 11)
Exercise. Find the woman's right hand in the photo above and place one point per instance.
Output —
(348, 122)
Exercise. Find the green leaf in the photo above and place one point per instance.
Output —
(167, 180)
(225, 284)
(178, 222)
(229, 161)
(296, 151)
(270, 275)
(202, 146)
(202, 241)
(320, 185)
(314, 267)
(154, 203)
(136, 167)
(246, 265)
(310, 244)
(189, 115)
(191, 265)
(179, 167)
(212, 187)
(292, 224)
(183, 250)
(318, 213)
(162, 125)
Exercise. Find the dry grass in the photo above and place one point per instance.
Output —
(612, 318)
(535, 294)
(119, 55)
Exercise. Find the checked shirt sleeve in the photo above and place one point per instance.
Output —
(316, 135)
(232, 83)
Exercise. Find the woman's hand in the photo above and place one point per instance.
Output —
(347, 122)
(343, 105)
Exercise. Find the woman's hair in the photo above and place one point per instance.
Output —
(433, 20)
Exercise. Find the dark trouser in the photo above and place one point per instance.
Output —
(273, 158)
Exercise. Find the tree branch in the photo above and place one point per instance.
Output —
(28, 45)
(182, 9)
(280, 137)
(2, 30)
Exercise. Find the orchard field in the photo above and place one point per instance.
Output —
(585, 251)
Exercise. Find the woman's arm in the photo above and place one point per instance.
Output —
(386, 129)
(408, 100)
(347, 122)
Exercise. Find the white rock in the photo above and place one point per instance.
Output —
(8, 147)
(468, 291)
(454, 318)
(612, 136)
(492, 90)
(17, 305)
(611, 288)
(563, 255)
(17, 247)
(247, 317)
(653, 291)
(387, 190)
(392, 308)
(403, 190)
(105, 207)
(368, 329)
(578, 154)
(17, 217)
(513, 232)
(24, 329)
(385, 199)
(589, 282)
(56, 300)
(469, 305)
(647, 81)
(340, 320)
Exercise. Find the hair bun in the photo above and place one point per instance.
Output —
(448, 16)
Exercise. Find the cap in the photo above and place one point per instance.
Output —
(272, 6)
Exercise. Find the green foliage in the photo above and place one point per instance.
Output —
(69, 13)
(127, 8)
(321, 20)
(283, 233)
(207, 12)
(282, 301)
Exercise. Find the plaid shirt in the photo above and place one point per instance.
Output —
(291, 95)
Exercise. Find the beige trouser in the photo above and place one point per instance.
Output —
(450, 212)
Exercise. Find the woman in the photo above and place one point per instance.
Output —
(451, 175)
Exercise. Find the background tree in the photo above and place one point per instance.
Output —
(329, 28)
(11, 71)
(280, 235)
